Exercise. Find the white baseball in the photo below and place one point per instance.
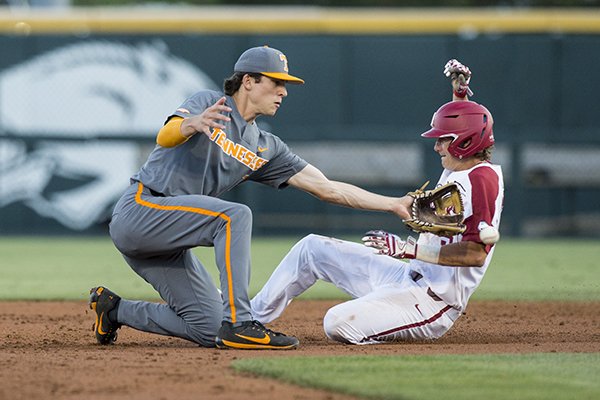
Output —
(489, 235)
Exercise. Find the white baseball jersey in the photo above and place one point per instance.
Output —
(482, 190)
(392, 299)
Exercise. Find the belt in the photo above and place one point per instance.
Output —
(152, 192)
(155, 193)
(415, 276)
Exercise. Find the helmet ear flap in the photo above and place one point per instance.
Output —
(458, 149)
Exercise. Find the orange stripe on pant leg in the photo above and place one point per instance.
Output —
(144, 203)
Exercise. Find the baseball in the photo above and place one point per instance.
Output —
(489, 235)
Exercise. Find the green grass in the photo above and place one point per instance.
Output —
(525, 377)
(554, 269)
(66, 267)
(52, 268)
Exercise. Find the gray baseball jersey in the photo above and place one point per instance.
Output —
(213, 165)
(172, 206)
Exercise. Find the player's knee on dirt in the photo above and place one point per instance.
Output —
(339, 328)
(205, 333)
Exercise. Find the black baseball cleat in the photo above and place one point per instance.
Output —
(252, 335)
(102, 301)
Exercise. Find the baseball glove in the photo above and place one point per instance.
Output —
(438, 211)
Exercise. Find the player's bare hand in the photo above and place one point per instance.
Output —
(401, 207)
(212, 117)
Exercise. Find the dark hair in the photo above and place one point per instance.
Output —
(233, 83)
(485, 154)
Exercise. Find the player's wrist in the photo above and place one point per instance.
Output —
(187, 129)
(427, 253)
(460, 94)
(401, 207)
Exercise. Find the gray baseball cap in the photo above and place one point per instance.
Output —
(266, 61)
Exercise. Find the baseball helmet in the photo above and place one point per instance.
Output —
(468, 124)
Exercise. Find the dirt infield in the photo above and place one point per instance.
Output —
(47, 350)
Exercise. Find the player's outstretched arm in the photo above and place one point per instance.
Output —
(313, 181)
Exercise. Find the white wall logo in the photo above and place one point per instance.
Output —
(81, 91)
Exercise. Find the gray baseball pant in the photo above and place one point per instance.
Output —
(155, 234)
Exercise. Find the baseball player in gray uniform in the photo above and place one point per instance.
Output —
(208, 146)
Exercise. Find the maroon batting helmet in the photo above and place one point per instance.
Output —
(468, 124)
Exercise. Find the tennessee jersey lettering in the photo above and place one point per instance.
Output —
(237, 151)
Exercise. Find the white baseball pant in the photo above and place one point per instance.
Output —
(389, 304)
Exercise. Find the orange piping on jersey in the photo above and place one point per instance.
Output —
(144, 203)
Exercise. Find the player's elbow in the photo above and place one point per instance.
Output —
(479, 262)
(470, 254)
(478, 259)
(312, 181)
(322, 188)
(329, 194)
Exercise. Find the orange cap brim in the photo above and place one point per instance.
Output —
(283, 77)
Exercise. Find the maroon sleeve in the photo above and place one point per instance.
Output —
(484, 192)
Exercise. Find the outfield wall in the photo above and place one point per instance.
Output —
(83, 93)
